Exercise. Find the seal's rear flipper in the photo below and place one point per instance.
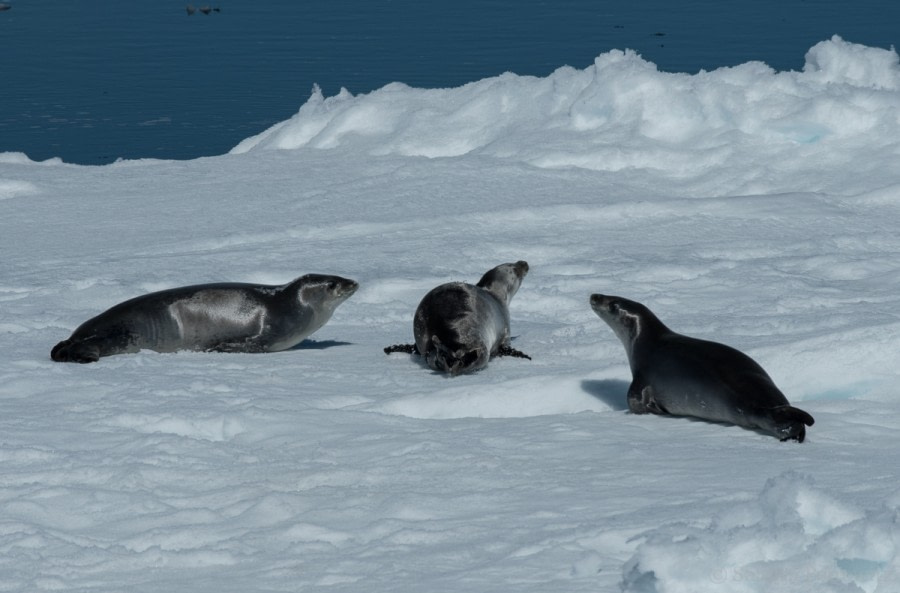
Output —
(510, 351)
(454, 361)
(789, 423)
(408, 348)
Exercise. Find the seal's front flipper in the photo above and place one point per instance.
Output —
(788, 423)
(641, 400)
(408, 348)
(506, 350)
(239, 346)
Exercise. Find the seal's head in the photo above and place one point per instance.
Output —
(628, 319)
(504, 280)
(324, 290)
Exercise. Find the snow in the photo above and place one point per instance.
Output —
(747, 206)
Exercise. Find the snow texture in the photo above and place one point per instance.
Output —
(756, 208)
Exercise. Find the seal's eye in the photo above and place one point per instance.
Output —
(331, 285)
(614, 307)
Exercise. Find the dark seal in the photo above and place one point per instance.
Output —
(458, 327)
(683, 376)
(222, 317)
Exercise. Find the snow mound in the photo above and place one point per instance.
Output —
(11, 188)
(617, 114)
(839, 62)
(794, 537)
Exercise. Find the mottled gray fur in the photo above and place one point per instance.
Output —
(458, 327)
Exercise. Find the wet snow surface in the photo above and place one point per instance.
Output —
(747, 206)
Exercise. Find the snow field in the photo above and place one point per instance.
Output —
(751, 207)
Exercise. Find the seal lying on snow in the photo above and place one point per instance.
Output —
(222, 317)
(684, 376)
(458, 327)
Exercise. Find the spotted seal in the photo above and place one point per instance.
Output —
(220, 317)
(458, 326)
(683, 376)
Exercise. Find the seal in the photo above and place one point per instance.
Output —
(683, 376)
(458, 327)
(220, 317)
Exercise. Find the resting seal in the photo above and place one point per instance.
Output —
(222, 317)
(458, 327)
(684, 376)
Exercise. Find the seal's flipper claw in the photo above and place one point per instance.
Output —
(408, 348)
(510, 351)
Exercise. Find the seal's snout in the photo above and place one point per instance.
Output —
(349, 287)
(521, 268)
(341, 288)
(598, 301)
(73, 351)
(59, 351)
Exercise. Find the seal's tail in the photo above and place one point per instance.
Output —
(450, 360)
(789, 423)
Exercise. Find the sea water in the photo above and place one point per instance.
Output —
(97, 80)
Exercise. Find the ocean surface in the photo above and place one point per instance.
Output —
(94, 81)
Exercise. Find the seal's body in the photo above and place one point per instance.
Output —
(684, 376)
(221, 317)
(458, 327)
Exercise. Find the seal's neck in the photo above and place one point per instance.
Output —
(503, 288)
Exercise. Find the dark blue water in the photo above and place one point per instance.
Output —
(95, 80)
